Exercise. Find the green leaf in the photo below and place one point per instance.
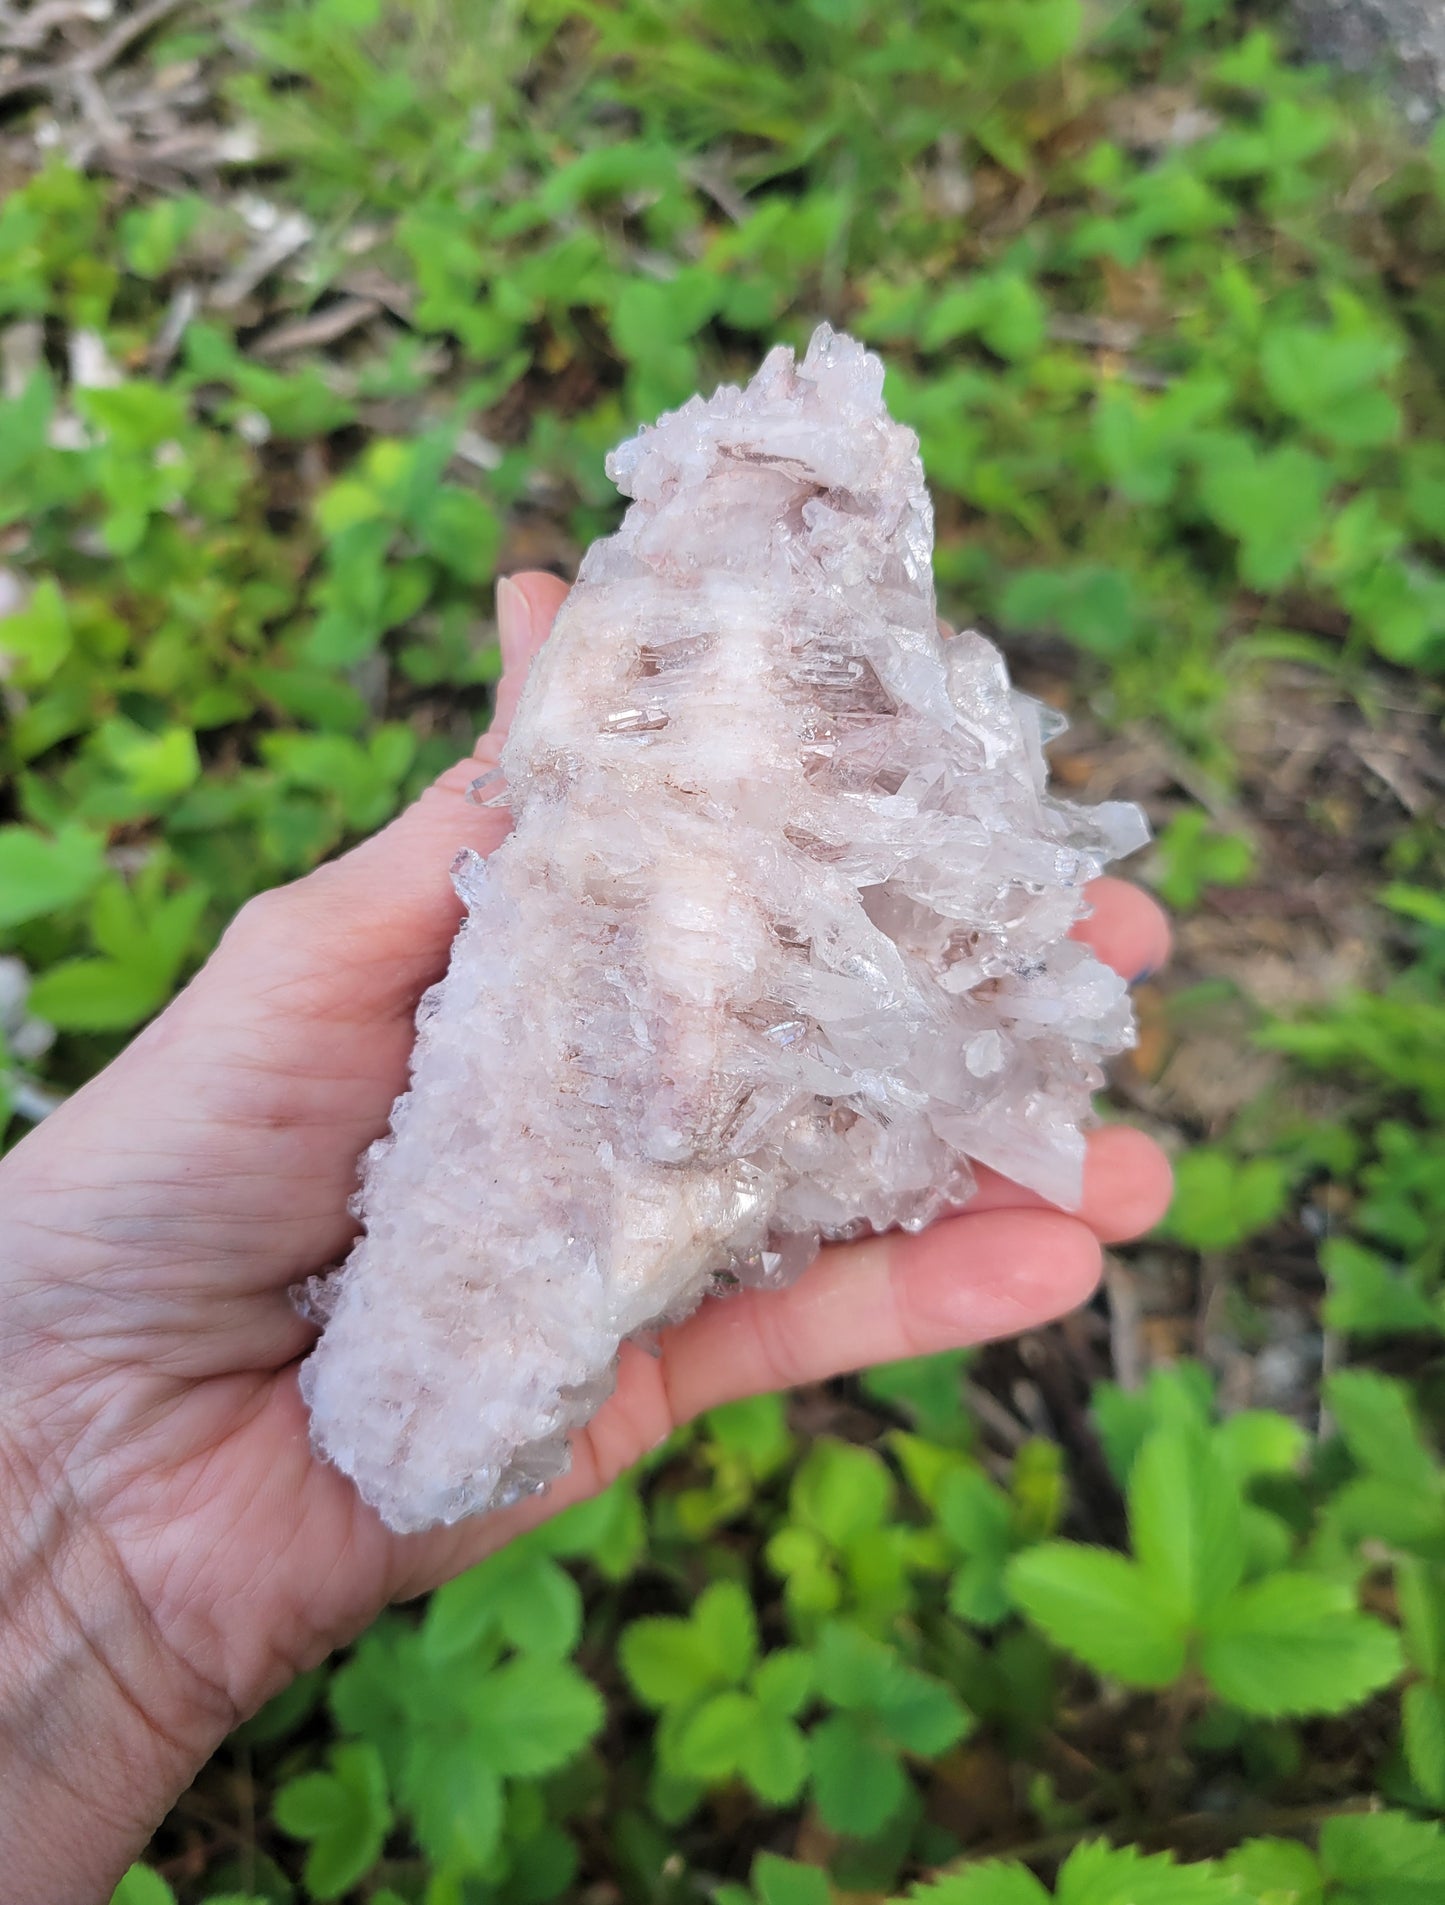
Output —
(732, 1734)
(610, 1530)
(1003, 309)
(1046, 31)
(1423, 1715)
(1100, 1874)
(1420, 1592)
(24, 425)
(1185, 1514)
(152, 234)
(1181, 1395)
(1219, 1201)
(1269, 1541)
(343, 1814)
(671, 1661)
(154, 767)
(142, 1886)
(1400, 1514)
(1294, 1643)
(284, 1712)
(141, 927)
(97, 995)
(915, 1711)
(1195, 855)
(540, 1608)
(1383, 1858)
(541, 1866)
(1272, 502)
(928, 1390)
(924, 1717)
(345, 504)
(784, 1681)
(136, 415)
(803, 1559)
(857, 1781)
(975, 1513)
(1102, 1608)
(1328, 380)
(852, 1669)
(312, 696)
(1259, 1442)
(755, 1429)
(667, 1663)
(1369, 1296)
(775, 1763)
(462, 532)
(841, 1492)
(1090, 604)
(1276, 1872)
(725, 1619)
(989, 1883)
(533, 1715)
(521, 1593)
(710, 1745)
(785, 1882)
(37, 637)
(1378, 1425)
(310, 1805)
(42, 874)
(455, 1799)
(459, 1615)
(651, 317)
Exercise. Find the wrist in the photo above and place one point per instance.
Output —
(101, 1724)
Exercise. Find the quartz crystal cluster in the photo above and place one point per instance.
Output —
(777, 946)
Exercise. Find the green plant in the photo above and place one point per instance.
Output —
(727, 1712)
(1386, 1859)
(1220, 1200)
(1213, 1588)
(1196, 855)
(1164, 307)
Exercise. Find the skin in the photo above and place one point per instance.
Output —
(171, 1553)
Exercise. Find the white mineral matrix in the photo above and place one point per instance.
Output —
(777, 946)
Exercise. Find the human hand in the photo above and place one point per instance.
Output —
(171, 1552)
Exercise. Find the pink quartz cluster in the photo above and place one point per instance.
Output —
(778, 945)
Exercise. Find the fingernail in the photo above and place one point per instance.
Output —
(514, 623)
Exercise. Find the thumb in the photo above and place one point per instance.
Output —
(527, 606)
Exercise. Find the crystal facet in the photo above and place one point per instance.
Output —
(778, 944)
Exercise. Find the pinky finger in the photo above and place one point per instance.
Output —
(964, 1281)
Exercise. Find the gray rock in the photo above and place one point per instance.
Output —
(1404, 39)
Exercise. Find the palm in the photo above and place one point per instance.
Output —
(163, 1214)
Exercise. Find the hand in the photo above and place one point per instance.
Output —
(173, 1553)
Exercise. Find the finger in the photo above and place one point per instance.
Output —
(1127, 1186)
(1125, 928)
(969, 1279)
(527, 606)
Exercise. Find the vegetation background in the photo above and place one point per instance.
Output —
(315, 317)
